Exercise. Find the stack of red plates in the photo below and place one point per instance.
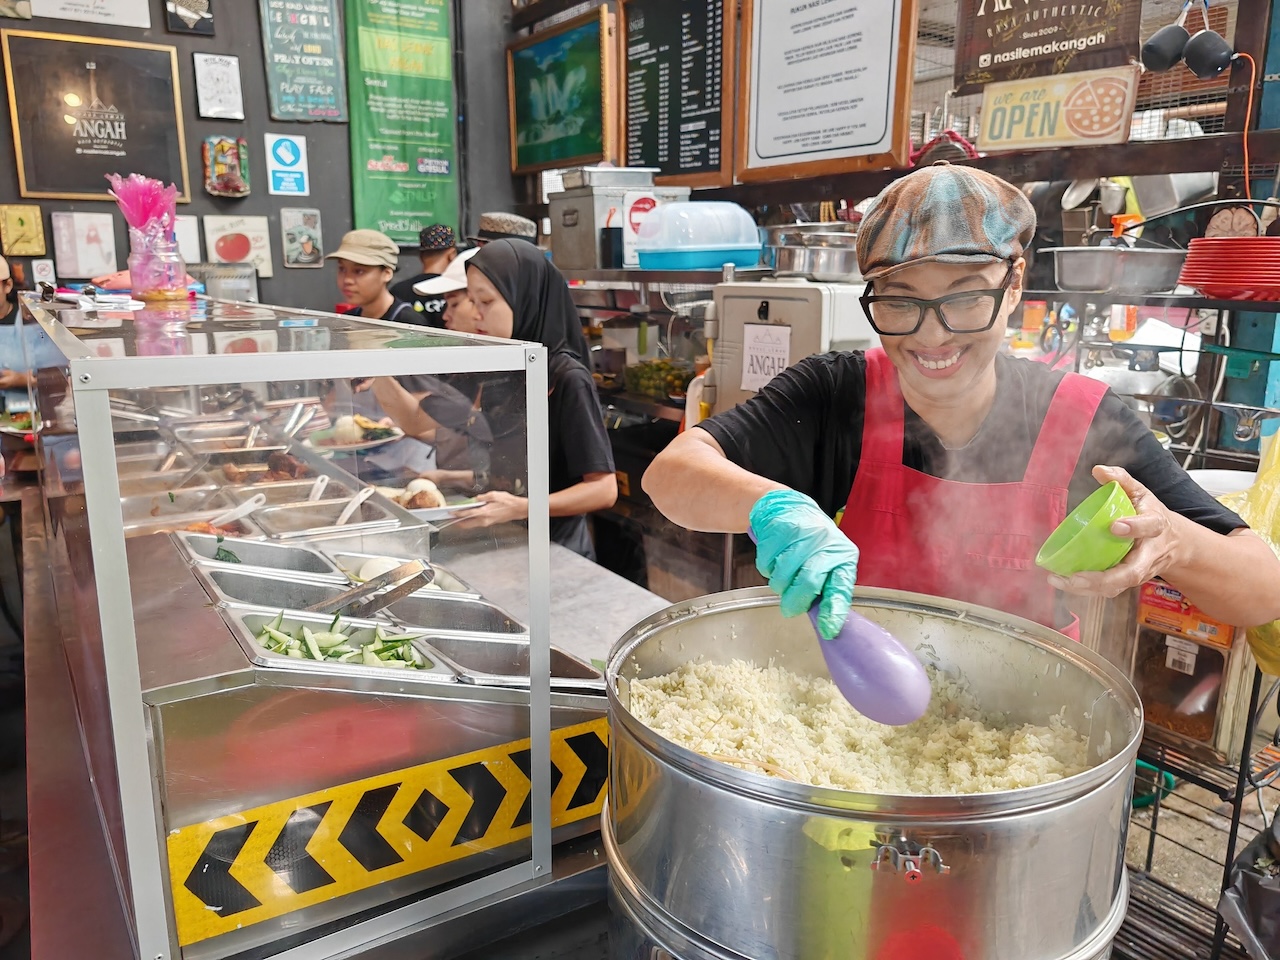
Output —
(1234, 268)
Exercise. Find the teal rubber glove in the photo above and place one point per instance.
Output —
(805, 556)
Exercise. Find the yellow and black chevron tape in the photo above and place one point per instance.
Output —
(248, 867)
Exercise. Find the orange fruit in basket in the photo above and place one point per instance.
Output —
(1097, 108)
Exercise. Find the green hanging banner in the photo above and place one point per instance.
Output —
(403, 126)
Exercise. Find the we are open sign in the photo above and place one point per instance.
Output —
(1094, 107)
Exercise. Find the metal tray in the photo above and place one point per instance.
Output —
(251, 473)
(151, 462)
(350, 563)
(262, 555)
(211, 430)
(244, 529)
(245, 622)
(260, 588)
(232, 449)
(287, 491)
(149, 484)
(300, 520)
(504, 662)
(179, 503)
(436, 610)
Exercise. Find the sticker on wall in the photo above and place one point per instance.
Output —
(187, 232)
(84, 244)
(301, 236)
(287, 172)
(219, 95)
(17, 9)
(189, 16)
(259, 341)
(239, 240)
(22, 229)
(43, 271)
(121, 13)
(226, 166)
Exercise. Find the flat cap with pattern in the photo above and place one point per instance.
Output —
(436, 238)
(505, 226)
(944, 214)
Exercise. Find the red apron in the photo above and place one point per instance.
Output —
(974, 542)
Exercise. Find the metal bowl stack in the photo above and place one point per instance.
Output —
(816, 251)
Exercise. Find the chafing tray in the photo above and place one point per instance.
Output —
(246, 473)
(150, 483)
(246, 621)
(174, 503)
(264, 589)
(287, 491)
(350, 563)
(240, 529)
(232, 449)
(504, 662)
(437, 610)
(299, 520)
(262, 555)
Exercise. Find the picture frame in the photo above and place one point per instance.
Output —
(86, 107)
(219, 93)
(191, 17)
(807, 159)
(572, 64)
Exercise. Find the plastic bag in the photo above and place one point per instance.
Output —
(1259, 506)
(1251, 903)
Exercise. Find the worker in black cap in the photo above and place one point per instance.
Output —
(437, 247)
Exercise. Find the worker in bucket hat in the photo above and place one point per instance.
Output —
(948, 462)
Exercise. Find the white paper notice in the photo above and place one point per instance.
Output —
(187, 233)
(123, 13)
(766, 352)
(822, 79)
(84, 245)
(218, 92)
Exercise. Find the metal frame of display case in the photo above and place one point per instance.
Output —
(91, 378)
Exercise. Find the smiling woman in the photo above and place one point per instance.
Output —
(951, 462)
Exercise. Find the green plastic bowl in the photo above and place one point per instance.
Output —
(1084, 540)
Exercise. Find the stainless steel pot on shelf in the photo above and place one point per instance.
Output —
(710, 861)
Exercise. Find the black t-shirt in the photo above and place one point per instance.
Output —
(428, 311)
(579, 443)
(805, 430)
(399, 312)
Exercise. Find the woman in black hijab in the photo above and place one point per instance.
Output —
(520, 295)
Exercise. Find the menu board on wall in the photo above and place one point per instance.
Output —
(1041, 38)
(302, 40)
(828, 86)
(676, 62)
(403, 152)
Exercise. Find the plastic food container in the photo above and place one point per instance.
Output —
(698, 235)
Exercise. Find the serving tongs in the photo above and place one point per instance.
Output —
(409, 578)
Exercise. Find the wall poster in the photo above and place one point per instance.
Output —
(218, 92)
(560, 87)
(827, 86)
(84, 244)
(189, 16)
(83, 108)
(120, 13)
(403, 117)
(239, 240)
(302, 40)
(1039, 38)
(22, 230)
(300, 232)
(1090, 108)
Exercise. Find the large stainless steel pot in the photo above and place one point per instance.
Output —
(713, 861)
(773, 237)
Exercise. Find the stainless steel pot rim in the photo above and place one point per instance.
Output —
(829, 800)
(819, 240)
(1114, 251)
(647, 913)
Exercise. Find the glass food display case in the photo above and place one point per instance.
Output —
(312, 718)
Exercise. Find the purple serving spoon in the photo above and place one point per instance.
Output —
(873, 670)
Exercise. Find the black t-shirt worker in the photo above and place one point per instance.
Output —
(952, 463)
(436, 249)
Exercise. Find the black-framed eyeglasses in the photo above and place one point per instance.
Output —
(969, 311)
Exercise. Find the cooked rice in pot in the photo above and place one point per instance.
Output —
(777, 722)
